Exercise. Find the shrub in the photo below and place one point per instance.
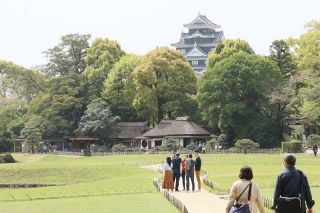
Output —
(313, 139)
(170, 144)
(1, 160)
(212, 144)
(7, 158)
(245, 145)
(119, 148)
(191, 146)
(292, 147)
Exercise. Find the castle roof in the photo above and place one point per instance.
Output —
(201, 21)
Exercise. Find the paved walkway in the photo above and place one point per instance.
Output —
(198, 202)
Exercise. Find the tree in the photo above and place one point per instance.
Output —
(246, 145)
(227, 48)
(32, 132)
(119, 90)
(163, 81)
(233, 96)
(313, 139)
(98, 120)
(62, 105)
(280, 53)
(101, 57)
(17, 81)
(307, 49)
(68, 55)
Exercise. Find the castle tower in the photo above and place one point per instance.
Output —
(202, 37)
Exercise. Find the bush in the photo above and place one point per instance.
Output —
(212, 144)
(7, 158)
(245, 145)
(292, 147)
(119, 148)
(313, 139)
(191, 146)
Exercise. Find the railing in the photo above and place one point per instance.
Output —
(219, 151)
(170, 197)
(267, 201)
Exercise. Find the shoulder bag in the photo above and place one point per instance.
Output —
(242, 208)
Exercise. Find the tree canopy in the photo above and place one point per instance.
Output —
(119, 89)
(68, 55)
(163, 81)
(233, 96)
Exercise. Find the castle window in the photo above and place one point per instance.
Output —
(194, 62)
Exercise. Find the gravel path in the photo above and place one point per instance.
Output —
(197, 202)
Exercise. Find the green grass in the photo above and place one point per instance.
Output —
(224, 170)
(109, 184)
(118, 184)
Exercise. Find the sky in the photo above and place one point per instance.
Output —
(30, 27)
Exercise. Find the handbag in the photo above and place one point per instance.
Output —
(242, 208)
(290, 204)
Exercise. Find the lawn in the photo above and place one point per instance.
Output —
(118, 184)
(224, 170)
(91, 184)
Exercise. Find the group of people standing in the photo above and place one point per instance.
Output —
(176, 168)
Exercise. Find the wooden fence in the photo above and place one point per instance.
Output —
(170, 197)
(267, 201)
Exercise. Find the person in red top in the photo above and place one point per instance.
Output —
(183, 172)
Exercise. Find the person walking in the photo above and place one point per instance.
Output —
(190, 172)
(167, 182)
(183, 172)
(245, 192)
(198, 168)
(315, 149)
(292, 192)
(176, 167)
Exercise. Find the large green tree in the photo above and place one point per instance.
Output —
(17, 81)
(62, 105)
(101, 57)
(68, 55)
(307, 52)
(163, 81)
(233, 96)
(119, 90)
(280, 53)
(227, 48)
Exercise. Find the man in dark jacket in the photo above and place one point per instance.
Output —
(176, 164)
(288, 185)
(197, 168)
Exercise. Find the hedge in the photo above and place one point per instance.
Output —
(7, 158)
(292, 147)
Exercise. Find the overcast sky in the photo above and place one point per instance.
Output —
(29, 27)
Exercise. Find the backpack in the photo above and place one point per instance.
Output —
(291, 204)
(242, 208)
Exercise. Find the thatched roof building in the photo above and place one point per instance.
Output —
(182, 130)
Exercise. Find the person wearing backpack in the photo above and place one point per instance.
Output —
(244, 196)
(292, 191)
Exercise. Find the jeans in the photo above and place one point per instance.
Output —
(183, 175)
(176, 178)
(190, 176)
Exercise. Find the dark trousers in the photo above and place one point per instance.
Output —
(176, 178)
(190, 176)
(183, 176)
(315, 153)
